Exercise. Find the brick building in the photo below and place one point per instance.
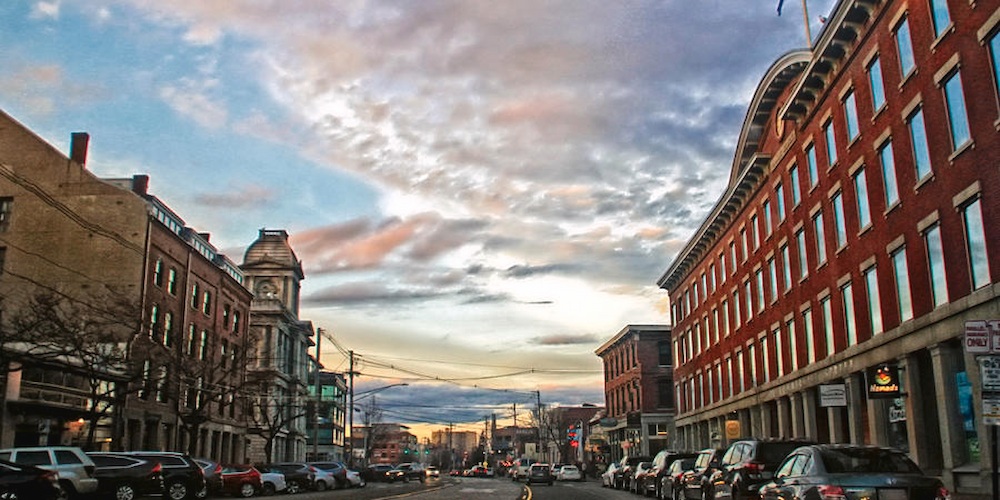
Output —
(827, 292)
(638, 390)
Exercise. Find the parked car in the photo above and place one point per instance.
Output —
(271, 481)
(749, 463)
(623, 476)
(661, 462)
(240, 480)
(851, 471)
(377, 472)
(608, 476)
(182, 476)
(299, 476)
(28, 482)
(354, 479)
(521, 468)
(329, 475)
(697, 482)
(212, 471)
(639, 473)
(74, 469)
(539, 473)
(124, 478)
(407, 471)
(569, 473)
(671, 483)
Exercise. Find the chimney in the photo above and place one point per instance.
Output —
(140, 184)
(205, 236)
(78, 147)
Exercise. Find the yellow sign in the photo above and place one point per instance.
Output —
(733, 429)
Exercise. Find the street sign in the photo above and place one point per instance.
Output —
(989, 371)
(991, 409)
(977, 337)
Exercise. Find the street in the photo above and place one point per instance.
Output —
(452, 488)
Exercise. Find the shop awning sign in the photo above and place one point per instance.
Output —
(883, 381)
(833, 395)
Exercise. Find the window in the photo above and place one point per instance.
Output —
(725, 317)
(737, 316)
(921, 153)
(172, 281)
(740, 374)
(759, 276)
(807, 330)
(732, 256)
(6, 205)
(811, 165)
(876, 83)
(851, 116)
(236, 322)
(711, 278)
(224, 351)
(994, 43)
(904, 46)
(765, 354)
(935, 261)
(940, 17)
(194, 296)
(748, 296)
(779, 201)
(800, 240)
(192, 340)
(158, 272)
(779, 351)
(786, 267)
(850, 325)
(902, 277)
(772, 277)
(715, 326)
(722, 268)
(729, 374)
(839, 224)
(154, 319)
(820, 239)
(206, 303)
(975, 242)
(827, 309)
(743, 243)
(793, 175)
(958, 119)
(888, 174)
(664, 353)
(766, 217)
(861, 198)
(168, 329)
(831, 143)
(792, 343)
(873, 301)
(203, 345)
(754, 232)
(752, 359)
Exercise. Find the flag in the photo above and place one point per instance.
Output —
(780, 3)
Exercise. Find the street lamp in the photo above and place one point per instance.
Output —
(350, 413)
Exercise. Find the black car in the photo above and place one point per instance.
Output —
(696, 484)
(299, 476)
(625, 474)
(540, 473)
(182, 476)
(672, 482)
(406, 472)
(27, 481)
(653, 481)
(749, 463)
(120, 476)
(851, 471)
(212, 471)
(376, 472)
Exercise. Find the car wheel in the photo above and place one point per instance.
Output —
(124, 492)
(177, 491)
(736, 492)
(246, 490)
(320, 486)
(267, 489)
(293, 488)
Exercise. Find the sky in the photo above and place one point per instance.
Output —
(481, 192)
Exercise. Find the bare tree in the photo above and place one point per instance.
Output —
(271, 415)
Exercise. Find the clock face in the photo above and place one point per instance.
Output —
(266, 289)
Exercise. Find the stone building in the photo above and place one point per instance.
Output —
(827, 293)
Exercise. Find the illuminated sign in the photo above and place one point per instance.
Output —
(883, 381)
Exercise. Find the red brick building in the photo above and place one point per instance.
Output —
(827, 293)
(639, 390)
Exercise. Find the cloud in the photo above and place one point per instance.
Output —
(567, 339)
(43, 10)
(190, 98)
(243, 197)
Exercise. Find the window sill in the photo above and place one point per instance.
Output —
(924, 180)
(967, 145)
(944, 34)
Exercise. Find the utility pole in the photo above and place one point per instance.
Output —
(316, 396)
(350, 408)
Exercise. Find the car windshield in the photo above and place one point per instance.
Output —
(775, 453)
(867, 460)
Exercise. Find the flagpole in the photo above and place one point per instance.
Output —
(805, 17)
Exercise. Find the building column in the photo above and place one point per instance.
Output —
(798, 419)
(916, 423)
(766, 419)
(809, 414)
(945, 363)
(744, 418)
(756, 427)
(784, 417)
(855, 387)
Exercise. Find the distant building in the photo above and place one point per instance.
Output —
(278, 378)
(828, 292)
(326, 439)
(175, 306)
(567, 429)
(460, 441)
(389, 443)
(638, 390)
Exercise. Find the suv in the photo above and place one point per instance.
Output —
(696, 484)
(299, 476)
(749, 463)
(520, 470)
(626, 470)
(73, 467)
(407, 471)
(182, 476)
(661, 462)
(539, 473)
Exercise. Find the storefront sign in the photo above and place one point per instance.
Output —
(989, 370)
(897, 411)
(883, 382)
(733, 430)
(832, 395)
(991, 409)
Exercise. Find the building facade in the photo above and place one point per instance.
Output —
(327, 436)
(826, 294)
(638, 390)
(279, 368)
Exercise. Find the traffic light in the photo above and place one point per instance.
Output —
(406, 451)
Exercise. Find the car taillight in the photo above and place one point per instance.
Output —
(755, 467)
(157, 469)
(943, 494)
(831, 492)
(218, 469)
(90, 469)
(49, 476)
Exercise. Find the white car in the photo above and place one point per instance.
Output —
(569, 473)
(354, 479)
(271, 483)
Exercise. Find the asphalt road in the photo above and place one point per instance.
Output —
(452, 488)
